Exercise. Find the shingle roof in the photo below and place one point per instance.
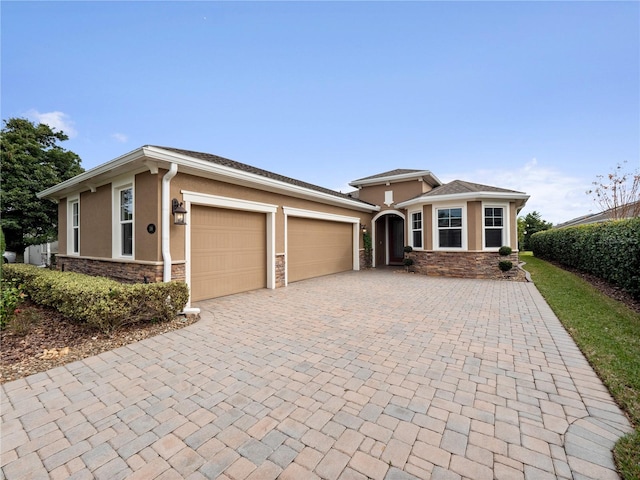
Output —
(460, 186)
(390, 173)
(257, 171)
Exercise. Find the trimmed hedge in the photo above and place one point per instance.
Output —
(99, 301)
(609, 250)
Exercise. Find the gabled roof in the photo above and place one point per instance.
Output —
(461, 190)
(390, 173)
(256, 171)
(397, 175)
(151, 158)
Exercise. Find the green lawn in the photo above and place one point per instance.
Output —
(608, 333)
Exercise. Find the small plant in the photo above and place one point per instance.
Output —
(10, 298)
(408, 249)
(408, 262)
(505, 250)
(368, 248)
(23, 320)
(505, 265)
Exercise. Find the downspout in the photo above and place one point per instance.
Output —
(166, 222)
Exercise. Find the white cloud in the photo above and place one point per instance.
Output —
(557, 195)
(59, 121)
(120, 137)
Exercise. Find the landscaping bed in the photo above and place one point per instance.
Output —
(40, 338)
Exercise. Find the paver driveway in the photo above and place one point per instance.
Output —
(365, 374)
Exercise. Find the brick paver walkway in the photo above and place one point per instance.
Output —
(360, 375)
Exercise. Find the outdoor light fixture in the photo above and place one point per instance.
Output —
(179, 212)
(363, 227)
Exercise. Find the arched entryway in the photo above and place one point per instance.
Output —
(388, 238)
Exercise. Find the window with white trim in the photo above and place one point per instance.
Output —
(494, 224)
(416, 229)
(73, 238)
(449, 227)
(124, 221)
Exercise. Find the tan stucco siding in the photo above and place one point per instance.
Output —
(214, 187)
(95, 223)
(402, 191)
(427, 225)
(474, 225)
(147, 212)
(62, 227)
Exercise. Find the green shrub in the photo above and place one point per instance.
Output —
(11, 297)
(98, 301)
(505, 250)
(609, 250)
(408, 249)
(505, 265)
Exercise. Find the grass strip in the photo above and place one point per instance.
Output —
(608, 333)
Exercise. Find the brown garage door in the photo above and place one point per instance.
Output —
(318, 247)
(228, 252)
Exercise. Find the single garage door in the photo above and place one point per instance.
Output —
(318, 247)
(228, 252)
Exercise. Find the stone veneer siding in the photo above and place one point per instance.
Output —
(125, 272)
(280, 270)
(365, 260)
(461, 264)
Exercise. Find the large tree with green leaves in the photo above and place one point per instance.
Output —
(31, 161)
(533, 223)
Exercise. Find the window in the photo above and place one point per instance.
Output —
(123, 218)
(450, 227)
(73, 230)
(416, 230)
(493, 227)
(126, 221)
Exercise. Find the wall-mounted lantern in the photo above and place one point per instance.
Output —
(363, 228)
(179, 212)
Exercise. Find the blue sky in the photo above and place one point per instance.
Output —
(539, 97)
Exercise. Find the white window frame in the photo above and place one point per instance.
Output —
(436, 229)
(505, 225)
(412, 230)
(71, 201)
(116, 231)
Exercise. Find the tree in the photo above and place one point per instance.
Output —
(618, 193)
(533, 223)
(31, 161)
(521, 229)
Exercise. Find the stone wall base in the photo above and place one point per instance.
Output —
(461, 264)
(125, 272)
(280, 270)
(365, 259)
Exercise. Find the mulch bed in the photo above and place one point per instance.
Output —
(40, 338)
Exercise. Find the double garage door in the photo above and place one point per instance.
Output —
(229, 250)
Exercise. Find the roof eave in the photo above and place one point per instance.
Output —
(83, 181)
(423, 199)
(165, 158)
(398, 178)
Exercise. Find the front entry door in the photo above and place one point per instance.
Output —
(395, 232)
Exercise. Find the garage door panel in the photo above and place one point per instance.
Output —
(228, 252)
(318, 247)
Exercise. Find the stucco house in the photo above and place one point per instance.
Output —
(248, 228)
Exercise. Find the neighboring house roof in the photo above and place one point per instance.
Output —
(459, 189)
(632, 209)
(397, 175)
(151, 157)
